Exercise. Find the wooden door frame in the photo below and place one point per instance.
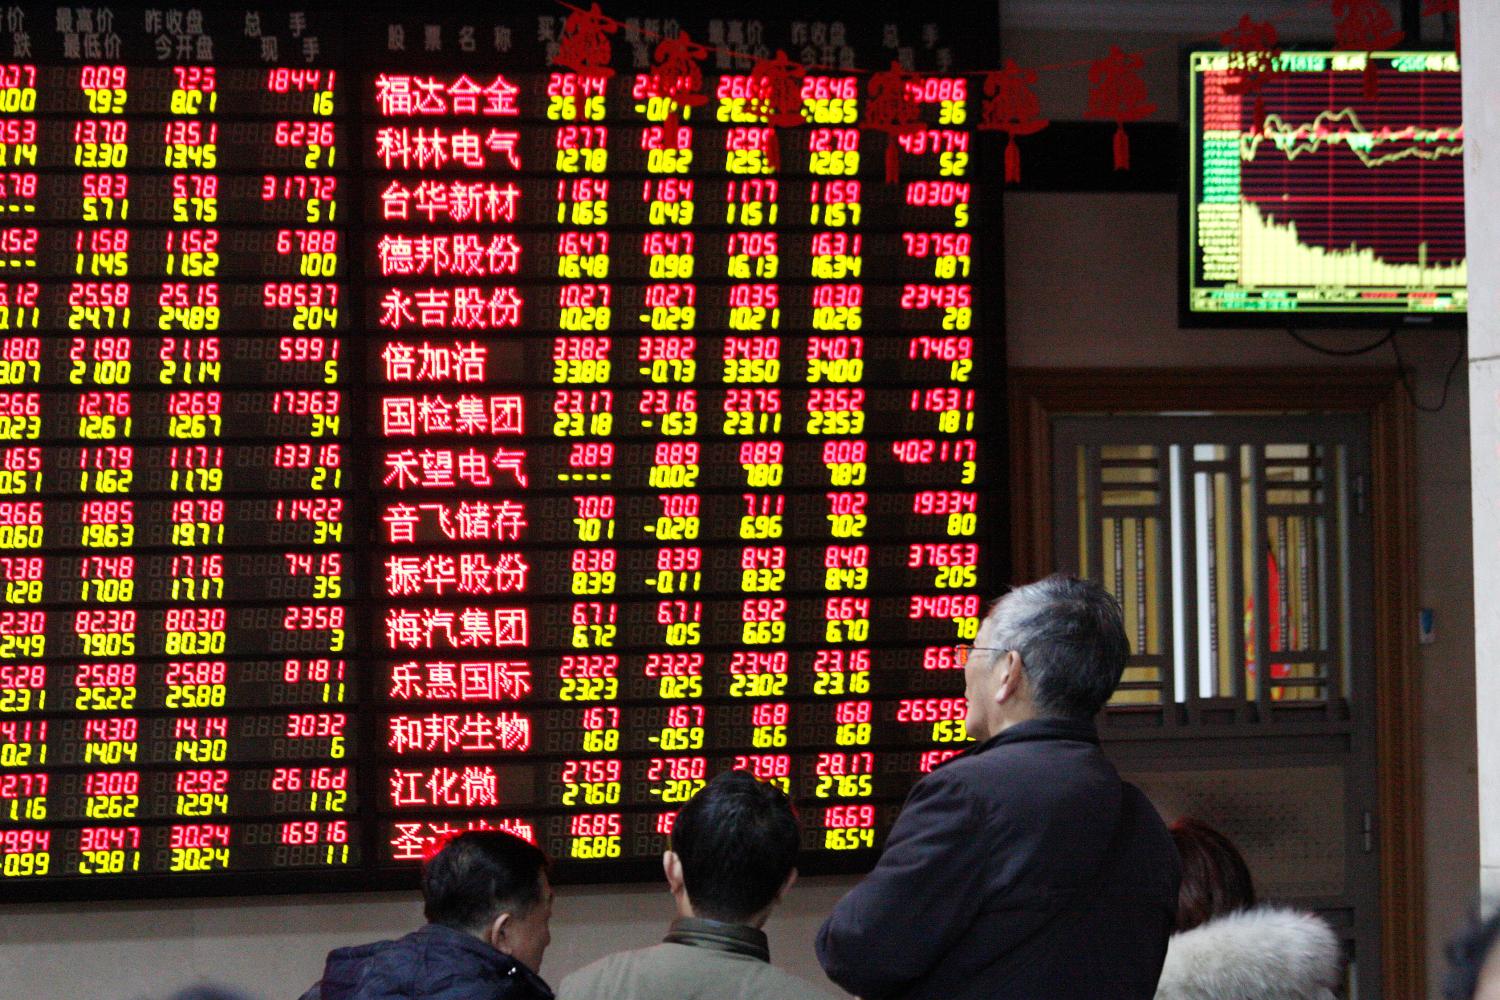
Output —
(1037, 395)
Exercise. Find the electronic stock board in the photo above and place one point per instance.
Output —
(510, 419)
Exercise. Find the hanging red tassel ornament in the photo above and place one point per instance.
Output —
(892, 110)
(1011, 106)
(584, 45)
(1117, 93)
(1365, 26)
(1433, 8)
(678, 77)
(1253, 62)
(1121, 147)
(776, 86)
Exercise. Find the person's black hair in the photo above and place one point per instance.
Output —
(1467, 954)
(1071, 637)
(738, 841)
(480, 874)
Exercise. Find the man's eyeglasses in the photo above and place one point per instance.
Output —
(961, 652)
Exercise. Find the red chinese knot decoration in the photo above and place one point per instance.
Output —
(1011, 106)
(678, 75)
(1118, 94)
(1256, 51)
(1365, 26)
(584, 45)
(777, 86)
(892, 110)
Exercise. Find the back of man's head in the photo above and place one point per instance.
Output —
(737, 840)
(480, 874)
(1070, 635)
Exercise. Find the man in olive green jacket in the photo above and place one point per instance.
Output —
(733, 856)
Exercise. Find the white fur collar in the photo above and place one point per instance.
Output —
(1258, 954)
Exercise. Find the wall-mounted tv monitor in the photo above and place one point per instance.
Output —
(1313, 201)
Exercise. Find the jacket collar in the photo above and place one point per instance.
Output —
(736, 939)
(1077, 730)
(485, 956)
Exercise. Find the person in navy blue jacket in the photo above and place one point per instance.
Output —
(488, 904)
(1025, 867)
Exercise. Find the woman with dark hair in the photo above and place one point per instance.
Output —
(1226, 946)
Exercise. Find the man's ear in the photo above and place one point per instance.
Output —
(1011, 677)
(791, 880)
(498, 930)
(671, 866)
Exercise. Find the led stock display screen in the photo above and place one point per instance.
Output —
(1325, 186)
(506, 420)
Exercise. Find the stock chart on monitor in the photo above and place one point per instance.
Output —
(493, 417)
(1325, 186)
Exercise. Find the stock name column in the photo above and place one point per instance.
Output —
(452, 468)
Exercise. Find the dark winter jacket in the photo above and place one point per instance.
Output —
(1025, 869)
(434, 963)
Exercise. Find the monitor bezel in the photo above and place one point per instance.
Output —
(1190, 319)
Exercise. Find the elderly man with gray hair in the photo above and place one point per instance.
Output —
(1025, 867)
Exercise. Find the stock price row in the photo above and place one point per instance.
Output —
(147, 413)
(145, 578)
